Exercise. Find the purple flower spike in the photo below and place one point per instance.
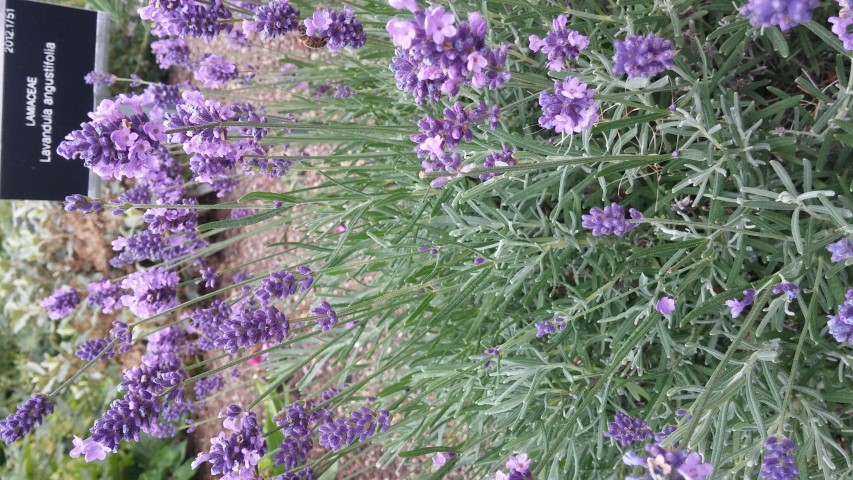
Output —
(340, 28)
(237, 454)
(214, 71)
(562, 45)
(61, 303)
(738, 306)
(627, 429)
(786, 14)
(840, 250)
(98, 79)
(611, 220)
(328, 317)
(842, 23)
(28, 415)
(841, 324)
(570, 109)
(171, 52)
(305, 474)
(778, 459)
(153, 291)
(642, 56)
(788, 288)
(90, 349)
(545, 328)
(273, 20)
(665, 306)
(82, 203)
(441, 458)
(670, 463)
(251, 327)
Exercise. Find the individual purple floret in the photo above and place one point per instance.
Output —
(90, 349)
(82, 203)
(273, 19)
(114, 143)
(667, 431)
(642, 56)
(570, 109)
(305, 474)
(171, 52)
(121, 332)
(670, 463)
(545, 328)
(738, 306)
(293, 451)
(214, 71)
(60, 303)
(440, 136)
(786, 14)
(779, 461)
(841, 324)
(341, 28)
(441, 458)
(490, 354)
(98, 79)
(252, 326)
(437, 55)
(627, 429)
(611, 220)
(665, 306)
(328, 316)
(788, 288)
(27, 416)
(90, 449)
(842, 23)
(236, 455)
(361, 425)
(153, 291)
(840, 250)
(519, 469)
(562, 45)
(503, 158)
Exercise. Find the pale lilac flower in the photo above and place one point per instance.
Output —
(841, 324)
(98, 79)
(670, 463)
(439, 24)
(90, 449)
(61, 303)
(642, 56)
(840, 250)
(627, 429)
(171, 52)
(611, 220)
(778, 461)
(441, 458)
(153, 291)
(561, 45)
(78, 202)
(788, 288)
(842, 23)
(214, 71)
(665, 306)
(570, 109)
(784, 13)
(738, 306)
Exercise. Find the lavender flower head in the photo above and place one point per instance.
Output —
(362, 424)
(490, 354)
(841, 324)
(570, 109)
(171, 52)
(190, 18)
(341, 28)
(503, 158)
(153, 291)
(27, 416)
(214, 71)
(305, 474)
(236, 455)
(90, 349)
(98, 79)
(549, 327)
(788, 288)
(82, 203)
(842, 23)
(786, 14)
(779, 462)
(90, 449)
(562, 44)
(665, 306)
(252, 326)
(611, 220)
(738, 306)
(60, 303)
(175, 220)
(273, 19)
(519, 469)
(840, 250)
(627, 430)
(642, 56)
(328, 316)
(670, 463)
(441, 458)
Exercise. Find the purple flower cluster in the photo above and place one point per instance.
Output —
(343, 91)
(27, 416)
(271, 167)
(841, 324)
(738, 306)
(98, 79)
(519, 469)
(82, 203)
(204, 387)
(328, 316)
(178, 18)
(282, 284)
(175, 220)
(162, 95)
(439, 137)
(121, 333)
(778, 459)
(236, 455)
(207, 322)
(441, 458)
(627, 430)
(501, 158)
(642, 56)
(550, 327)
(153, 291)
(786, 14)
(214, 71)
(114, 144)
(340, 28)
(665, 306)
(562, 44)
(362, 424)
(570, 109)
(90, 349)
(305, 474)
(840, 250)
(436, 55)
(842, 23)
(60, 303)
(670, 463)
(252, 326)
(298, 443)
(490, 354)
(171, 52)
(273, 19)
(611, 220)
(788, 288)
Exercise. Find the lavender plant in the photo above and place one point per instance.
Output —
(476, 196)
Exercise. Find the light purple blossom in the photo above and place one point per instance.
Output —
(788, 288)
(171, 52)
(273, 19)
(561, 45)
(328, 317)
(153, 291)
(840, 250)
(214, 71)
(665, 306)
(611, 220)
(642, 56)
(236, 455)
(98, 79)
(778, 461)
(441, 458)
(90, 449)
(82, 203)
(786, 14)
(738, 306)
(26, 417)
(627, 429)
(670, 463)
(570, 109)
(841, 324)
(842, 23)
(60, 303)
